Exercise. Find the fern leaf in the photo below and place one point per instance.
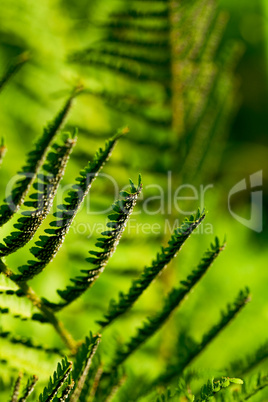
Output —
(42, 201)
(14, 302)
(136, 13)
(132, 69)
(48, 245)
(29, 388)
(176, 242)
(16, 389)
(29, 343)
(251, 388)
(60, 377)
(173, 300)
(34, 161)
(212, 387)
(83, 363)
(122, 210)
(135, 106)
(243, 366)
(66, 392)
(232, 310)
(13, 69)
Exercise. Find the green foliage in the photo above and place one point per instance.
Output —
(159, 44)
(122, 210)
(34, 161)
(208, 391)
(47, 246)
(177, 240)
(41, 201)
(13, 68)
(173, 300)
(57, 381)
(26, 392)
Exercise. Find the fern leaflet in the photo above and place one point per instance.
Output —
(35, 159)
(108, 243)
(41, 201)
(48, 245)
(163, 258)
(173, 300)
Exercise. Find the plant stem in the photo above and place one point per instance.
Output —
(48, 313)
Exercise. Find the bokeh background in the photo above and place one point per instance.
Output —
(50, 31)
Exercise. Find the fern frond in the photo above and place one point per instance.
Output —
(15, 303)
(60, 376)
(28, 342)
(251, 388)
(243, 366)
(48, 245)
(122, 210)
(66, 392)
(41, 201)
(34, 161)
(138, 13)
(173, 300)
(134, 106)
(163, 258)
(13, 69)
(212, 387)
(82, 365)
(16, 389)
(28, 389)
(232, 310)
(132, 69)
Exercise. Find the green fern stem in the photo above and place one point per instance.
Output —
(48, 313)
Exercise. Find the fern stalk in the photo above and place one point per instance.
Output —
(29, 388)
(88, 349)
(16, 390)
(48, 313)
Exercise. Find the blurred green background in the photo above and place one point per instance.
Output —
(50, 30)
